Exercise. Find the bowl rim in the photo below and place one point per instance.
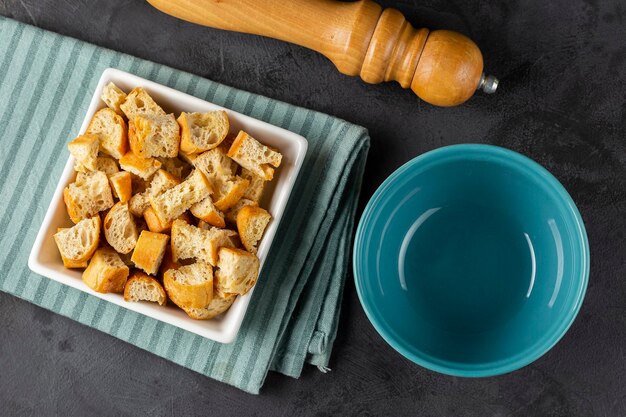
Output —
(472, 151)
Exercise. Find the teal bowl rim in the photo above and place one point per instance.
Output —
(491, 368)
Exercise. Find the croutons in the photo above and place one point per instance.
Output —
(85, 150)
(202, 131)
(107, 165)
(161, 181)
(154, 136)
(205, 210)
(149, 250)
(219, 170)
(176, 166)
(113, 97)
(237, 271)
(142, 167)
(111, 130)
(228, 191)
(88, 195)
(121, 185)
(251, 224)
(167, 174)
(139, 102)
(120, 229)
(78, 243)
(254, 156)
(154, 223)
(217, 306)
(190, 286)
(175, 201)
(256, 185)
(142, 287)
(191, 242)
(106, 272)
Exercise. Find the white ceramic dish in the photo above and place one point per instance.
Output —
(45, 259)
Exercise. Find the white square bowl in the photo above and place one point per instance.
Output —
(45, 259)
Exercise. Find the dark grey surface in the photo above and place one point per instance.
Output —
(562, 66)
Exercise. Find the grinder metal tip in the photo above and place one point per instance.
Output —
(488, 83)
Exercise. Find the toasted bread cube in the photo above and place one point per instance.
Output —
(107, 165)
(78, 243)
(256, 185)
(220, 171)
(111, 130)
(142, 167)
(85, 150)
(113, 96)
(190, 286)
(106, 272)
(251, 224)
(202, 131)
(215, 163)
(237, 271)
(191, 242)
(68, 263)
(154, 223)
(205, 210)
(232, 239)
(175, 201)
(88, 195)
(139, 102)
(229, 191)
(154, 135)
(218, 305)
(149, 251)
(139, 203)
(142, 287)
(254, 156)
(121, 185)
(161, 181)
(120, 229)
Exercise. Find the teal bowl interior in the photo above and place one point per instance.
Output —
(471, 260)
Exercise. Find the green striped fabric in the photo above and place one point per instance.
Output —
(46, 82)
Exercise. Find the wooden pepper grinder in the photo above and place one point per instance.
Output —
(443, 68)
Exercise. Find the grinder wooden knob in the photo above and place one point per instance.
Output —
(443, 68)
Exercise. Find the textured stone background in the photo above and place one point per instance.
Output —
(562, 65)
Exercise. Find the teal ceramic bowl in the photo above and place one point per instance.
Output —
(471, 260)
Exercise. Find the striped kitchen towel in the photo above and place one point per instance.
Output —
(46, 82)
